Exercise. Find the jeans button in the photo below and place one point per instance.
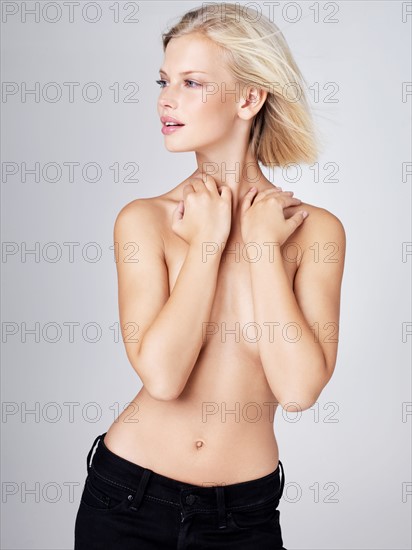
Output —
(190, 499)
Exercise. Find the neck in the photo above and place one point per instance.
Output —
(237, 169)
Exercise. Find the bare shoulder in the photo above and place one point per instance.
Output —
(139, 210)
(151, 216)
(321, 225)
(144, 217)
(320, 235)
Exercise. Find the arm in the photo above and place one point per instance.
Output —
(298, 370)
(169, 336)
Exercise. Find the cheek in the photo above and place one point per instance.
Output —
(216, 111)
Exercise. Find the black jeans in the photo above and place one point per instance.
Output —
(125, 506)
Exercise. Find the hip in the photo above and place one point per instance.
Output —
(195, 453)
(124, 501)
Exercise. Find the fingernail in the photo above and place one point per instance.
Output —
(304, 213)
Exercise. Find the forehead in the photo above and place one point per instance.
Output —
(192, 51)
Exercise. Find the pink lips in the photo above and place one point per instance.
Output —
(166, 130)
(170, 119)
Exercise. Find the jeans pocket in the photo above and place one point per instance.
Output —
(256, 516)
(104, 495)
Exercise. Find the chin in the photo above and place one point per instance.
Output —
(178, 148)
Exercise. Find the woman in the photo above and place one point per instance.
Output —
(219, 295)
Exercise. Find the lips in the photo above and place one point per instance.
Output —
(165, 119)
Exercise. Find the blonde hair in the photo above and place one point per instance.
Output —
(256, 53)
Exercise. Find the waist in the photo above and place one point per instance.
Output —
(122, 472)
(197, 454)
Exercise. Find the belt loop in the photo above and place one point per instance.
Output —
(282, 481)
(91, 450)
(140, 490)
(221, 507)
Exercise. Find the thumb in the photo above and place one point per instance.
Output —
(178, 212)
(247, 200)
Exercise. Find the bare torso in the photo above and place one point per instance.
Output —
(220, 429)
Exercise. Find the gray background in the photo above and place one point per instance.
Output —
(355, 438)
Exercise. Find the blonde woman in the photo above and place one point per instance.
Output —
(227, 313)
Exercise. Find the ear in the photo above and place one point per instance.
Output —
(251, 102)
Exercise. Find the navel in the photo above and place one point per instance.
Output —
(199, 443)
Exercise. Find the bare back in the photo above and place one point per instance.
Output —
(220, 428)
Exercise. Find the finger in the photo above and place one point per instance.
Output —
(197, 184)
(188, 188)
(178, 212)
(203, 181)
(271, 190)
(263, 194)
(289, 201)
(290, 211)
(297, 219)
(247, 200)
(226, 193)
(210, 183)
(279, 192)
(286, 201)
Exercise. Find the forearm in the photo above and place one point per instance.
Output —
(171, 345)
(293, 361)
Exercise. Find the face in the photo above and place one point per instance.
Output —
(201, 99)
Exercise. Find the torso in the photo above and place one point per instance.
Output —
(220, 429)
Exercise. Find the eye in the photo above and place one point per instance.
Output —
(162, 83)
(193, 82)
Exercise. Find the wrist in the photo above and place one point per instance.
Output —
(262, 240)
(265, 249)
(208, 250)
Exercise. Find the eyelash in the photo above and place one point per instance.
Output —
(192, 81)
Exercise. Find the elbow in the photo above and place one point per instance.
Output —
(297, 403)
(304, 397)
(300, 401)
(159, 378)
(155, 381)
(163, 393)
(166, 388)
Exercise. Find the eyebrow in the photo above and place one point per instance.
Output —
(161, 71)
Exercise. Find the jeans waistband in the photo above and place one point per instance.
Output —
(189, 497)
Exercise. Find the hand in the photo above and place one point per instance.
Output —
(265, 219)
(204, 214)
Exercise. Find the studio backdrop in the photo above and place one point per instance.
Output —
(80, 139)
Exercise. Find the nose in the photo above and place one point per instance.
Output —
(167, 102)
(168, 98)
